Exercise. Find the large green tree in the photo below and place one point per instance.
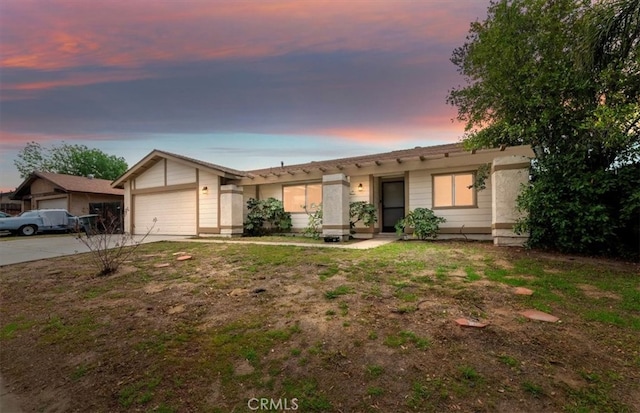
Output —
(78, 160)
(562, 76)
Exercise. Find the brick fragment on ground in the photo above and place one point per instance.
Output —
(523, 291)
(540, 316)
(463, 322)
(184, 257)
(164, 264)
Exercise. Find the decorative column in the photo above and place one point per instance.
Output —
(335, 207)
(231, 212)
(508, 174)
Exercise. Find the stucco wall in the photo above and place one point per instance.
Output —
(208, 202)
(41, 186)
(509, 175)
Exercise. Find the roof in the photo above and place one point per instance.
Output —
(69, 183)
(155, 155)
(205, 164)
(417, 152)
(398, 156)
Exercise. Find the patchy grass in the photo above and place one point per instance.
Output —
(404, 337)
(10, 329)
(337, 292)
(338, 330)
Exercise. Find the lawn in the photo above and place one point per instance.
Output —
(241, 326)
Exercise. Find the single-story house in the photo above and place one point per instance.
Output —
(187, 196)
(9, 205)
(79, 195)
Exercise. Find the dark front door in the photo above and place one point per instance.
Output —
(392, 204)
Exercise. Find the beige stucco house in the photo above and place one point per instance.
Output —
(191, 197)
(77, 194)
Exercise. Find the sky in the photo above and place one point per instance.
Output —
(244, 84)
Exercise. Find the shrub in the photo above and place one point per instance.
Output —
(266, 216)
(314, 227)
(575, 209)
(423, 221)
(358, 211)
(362, 211)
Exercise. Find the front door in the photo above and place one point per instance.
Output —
(392, 204)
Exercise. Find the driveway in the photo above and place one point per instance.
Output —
(15, 250)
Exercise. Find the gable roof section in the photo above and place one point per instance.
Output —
(156, 155)
(69, 183)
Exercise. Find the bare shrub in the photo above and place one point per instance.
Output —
(109, 246)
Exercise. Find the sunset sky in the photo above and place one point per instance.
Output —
(245, 84)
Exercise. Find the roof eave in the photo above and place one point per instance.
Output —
(24, 186)
(154, 156)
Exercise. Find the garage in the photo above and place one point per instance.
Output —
(175, 213)
(57, 203)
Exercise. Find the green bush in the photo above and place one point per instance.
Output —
(314, 227)
(575, 209)
(266, 216)
(362, 211)
(358, 211)
(424, 222)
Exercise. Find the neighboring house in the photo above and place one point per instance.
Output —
(191, 197)
(9, 205)
(77, 194)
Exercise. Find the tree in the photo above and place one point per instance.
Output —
(564, 77)
(69, 159)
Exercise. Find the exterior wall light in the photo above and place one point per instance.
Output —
(205, 190)
(360, 188)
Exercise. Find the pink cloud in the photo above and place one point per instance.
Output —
(129, 34)
(70, 79)
(381, 136)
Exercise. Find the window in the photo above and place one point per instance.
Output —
(297, 198)
(453, 190)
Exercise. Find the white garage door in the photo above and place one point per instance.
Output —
(175, 211)
(58, 203)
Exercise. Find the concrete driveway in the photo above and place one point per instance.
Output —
(14, 250)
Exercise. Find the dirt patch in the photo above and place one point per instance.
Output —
(595, 292)
(340, 331)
